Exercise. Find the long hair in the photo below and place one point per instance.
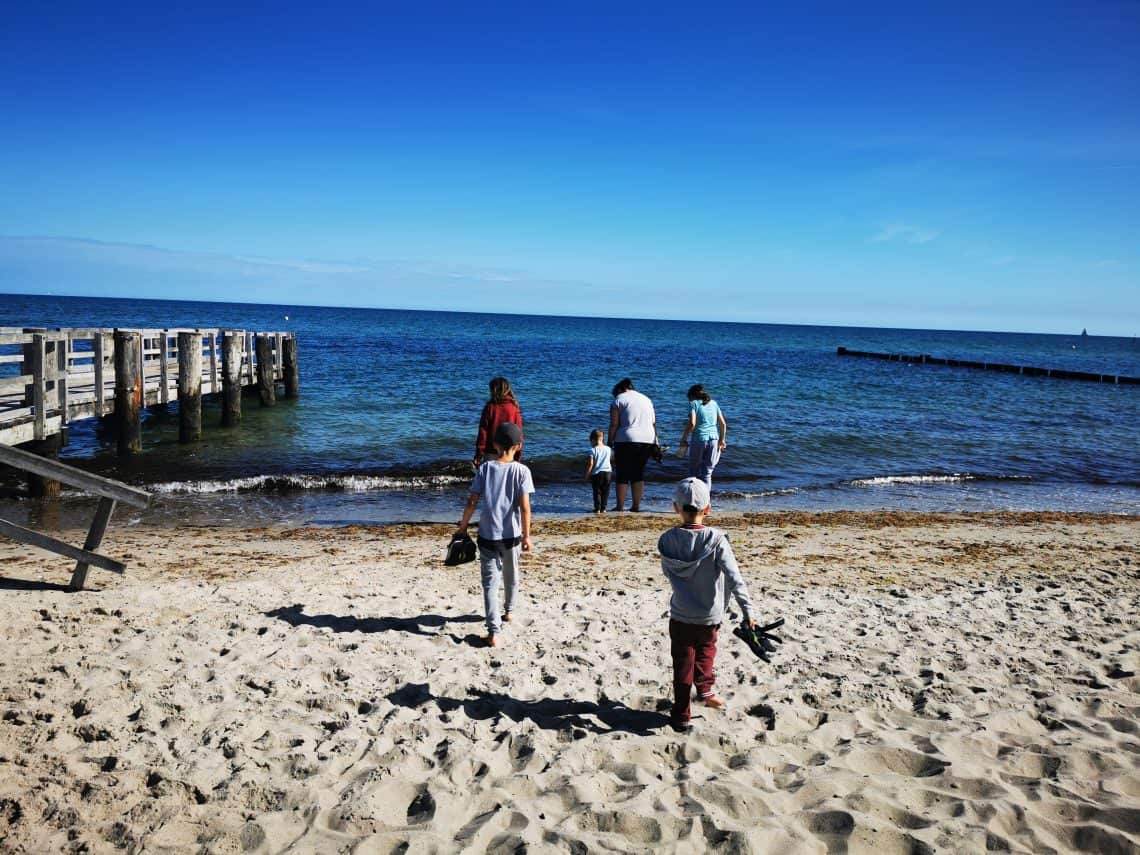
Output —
(501, 391)
(697, 390)
(623, 385)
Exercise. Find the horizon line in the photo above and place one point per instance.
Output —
(565, 316)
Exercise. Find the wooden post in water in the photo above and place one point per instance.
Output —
(39, 486)
(232, 342)
(291, 372)
(189, 386)
(128, 390)
(266, 384)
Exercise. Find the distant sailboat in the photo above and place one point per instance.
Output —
(1084, 333)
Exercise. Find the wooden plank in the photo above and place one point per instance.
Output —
(14, 384)
(96, 484)
(278, 361)
(11, 357)
(59, 547)
(84, 332)
(25, 431)
(15, 338)
(94, 538)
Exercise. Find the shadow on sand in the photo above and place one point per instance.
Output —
(605, 716)
(7, 584)
(295, 616)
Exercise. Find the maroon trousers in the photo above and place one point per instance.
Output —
(694, 649)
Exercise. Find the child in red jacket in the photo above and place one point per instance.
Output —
(502, 407)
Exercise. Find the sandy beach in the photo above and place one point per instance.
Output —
(952, 683)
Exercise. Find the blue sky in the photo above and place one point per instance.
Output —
(912, 165)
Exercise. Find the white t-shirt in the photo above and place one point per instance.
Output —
(501, 486)
(601, 456)
(635, 418)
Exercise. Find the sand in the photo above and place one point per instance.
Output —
(947, 684)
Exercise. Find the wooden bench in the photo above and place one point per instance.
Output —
(109, 492)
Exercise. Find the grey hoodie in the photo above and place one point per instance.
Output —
(702, 570)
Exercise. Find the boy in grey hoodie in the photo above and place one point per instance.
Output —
(699, 564)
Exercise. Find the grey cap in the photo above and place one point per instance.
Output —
(692, 492)
(508, 435)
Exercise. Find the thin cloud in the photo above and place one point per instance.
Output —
(904, 233)
(1107, 262)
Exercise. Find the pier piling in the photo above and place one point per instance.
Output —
(232, 342)
(266, 382)
(292, 374)
(189, 386)
(40, 486)
(128, 390)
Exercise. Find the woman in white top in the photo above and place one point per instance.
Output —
(633, 433)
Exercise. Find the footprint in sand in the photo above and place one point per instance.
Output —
(898, 761)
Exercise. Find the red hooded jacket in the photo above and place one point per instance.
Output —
(493, 416)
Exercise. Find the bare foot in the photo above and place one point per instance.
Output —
(492, 640)
(713, 701)
(507, 617)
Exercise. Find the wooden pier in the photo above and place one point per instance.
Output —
(65, 375)
(1059, 373)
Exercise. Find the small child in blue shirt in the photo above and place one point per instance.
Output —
(599, 470)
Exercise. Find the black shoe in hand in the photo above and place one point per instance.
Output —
(760, 640)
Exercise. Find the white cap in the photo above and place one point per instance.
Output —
(692, 492)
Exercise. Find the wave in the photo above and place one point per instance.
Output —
(326, 483)
(951, 478)
(756, 494)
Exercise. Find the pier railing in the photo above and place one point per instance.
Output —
(63, 375)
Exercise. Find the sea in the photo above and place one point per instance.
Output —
(384, 428)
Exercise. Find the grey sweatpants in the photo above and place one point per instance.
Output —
(498, 563)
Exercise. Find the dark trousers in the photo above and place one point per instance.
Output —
(694, 650)
(601, 485)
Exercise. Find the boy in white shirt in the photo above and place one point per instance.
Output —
(504, 525)
(599, 469)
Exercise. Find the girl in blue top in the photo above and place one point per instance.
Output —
(708, 427)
